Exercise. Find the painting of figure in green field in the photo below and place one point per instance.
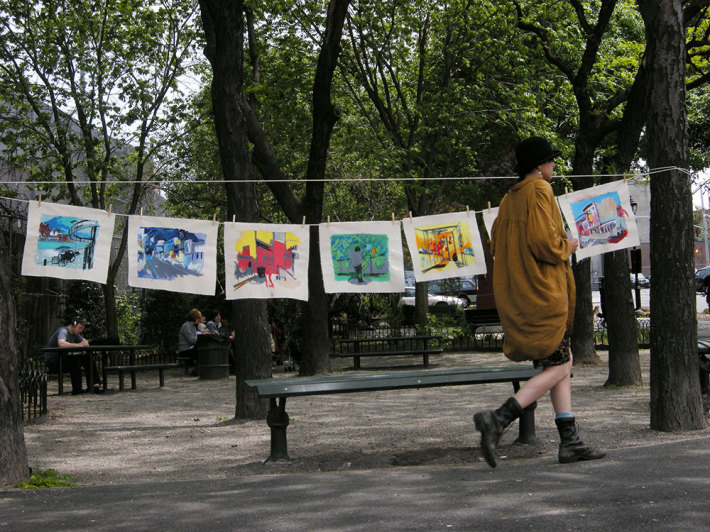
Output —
(360, 258)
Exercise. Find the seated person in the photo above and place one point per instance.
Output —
(69, 336)
(214, 325)
(187, 337)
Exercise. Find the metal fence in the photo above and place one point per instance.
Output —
(461, 337)
(33, 392)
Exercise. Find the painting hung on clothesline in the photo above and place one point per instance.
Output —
(266, 261)
(489, 216)
(67, 242)
(362, 257)
(601, 218)
(172, 254)
(444, 246)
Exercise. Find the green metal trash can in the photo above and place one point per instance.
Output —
(212, 357)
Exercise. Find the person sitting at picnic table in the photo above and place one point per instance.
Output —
(69, 336)
(214, 325)
(187, 337)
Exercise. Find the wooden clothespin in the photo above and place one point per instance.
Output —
(328, 221)
(468, 212)
(624, 177)
(303, 222)
(489, 205)
(214, 218)
(110, 206)
(393, 220)
(141, 212)
(410, 217)
(234, 218)
(565, 191)
(39, 201)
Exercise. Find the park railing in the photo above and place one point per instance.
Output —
(33, 391)
(459, 336)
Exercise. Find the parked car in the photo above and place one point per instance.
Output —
(434, 299)
(702, 279)
(463, 288)
(644, 282)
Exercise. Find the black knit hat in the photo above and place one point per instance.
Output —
(533, 151)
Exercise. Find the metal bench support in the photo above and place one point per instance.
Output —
(277, 419)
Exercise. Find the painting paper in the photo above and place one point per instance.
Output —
(172, 254)
(601, 218)
(67, 242)
(444, 246)
(266, 261)
(362, 257)
(489, 216)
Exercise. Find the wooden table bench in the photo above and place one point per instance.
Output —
(387, 346)
(277, 418)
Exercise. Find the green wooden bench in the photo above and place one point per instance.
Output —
(381, 346)
(133, 368)
(277, 418)
(482, 317)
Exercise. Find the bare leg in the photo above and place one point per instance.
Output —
(553, 379)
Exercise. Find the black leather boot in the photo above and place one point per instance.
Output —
(491, 425)
(572, 449)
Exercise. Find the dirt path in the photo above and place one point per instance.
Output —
(182, 431)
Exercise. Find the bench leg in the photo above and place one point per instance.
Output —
(526, 423)
(426, 359)
(356, 362)
(161, 374)
(277, 420)
(133, 380)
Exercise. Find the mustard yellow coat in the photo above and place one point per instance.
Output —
(532, 278)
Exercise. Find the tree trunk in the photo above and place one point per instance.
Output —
(675, 389)
(13, 454)
(224, 31)
(624, 364)
(582, 342)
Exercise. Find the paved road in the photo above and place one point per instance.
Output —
(659, 487)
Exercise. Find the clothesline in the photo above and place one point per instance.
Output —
(634, 175)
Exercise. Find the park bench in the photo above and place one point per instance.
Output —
(482, 317)
(387, 346)
(132, 359)
(277, 418)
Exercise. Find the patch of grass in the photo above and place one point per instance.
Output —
(47, 479)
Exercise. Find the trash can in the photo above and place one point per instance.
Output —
(213, 357)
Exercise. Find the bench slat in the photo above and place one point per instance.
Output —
(390, 353)
(331, 384)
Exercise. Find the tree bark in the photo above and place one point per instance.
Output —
(224, 30)
(624, 364)
(675, 389)
(13, 454)
(316, 343)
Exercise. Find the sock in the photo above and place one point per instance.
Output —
(564, 414)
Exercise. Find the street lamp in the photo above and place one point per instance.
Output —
(636, 261)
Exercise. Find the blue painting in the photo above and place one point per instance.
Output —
(67, 242)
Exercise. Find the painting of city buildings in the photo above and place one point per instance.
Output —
(601, 218)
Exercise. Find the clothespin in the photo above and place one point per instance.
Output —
(624, 177)
(328, 221)
(110, 206)
(489, 205)
(410, 216)
(39, 201)
(214, 218)
(234, 218)
(303, 222)
(393, 220)
(141, 212)
(468, 213)
(565, 191)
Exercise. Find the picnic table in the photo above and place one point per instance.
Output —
(107, 364)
